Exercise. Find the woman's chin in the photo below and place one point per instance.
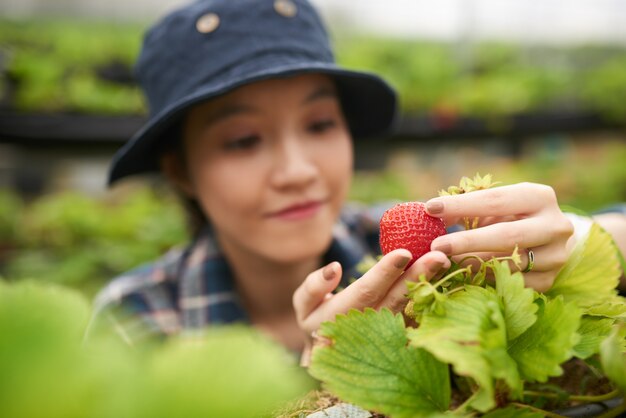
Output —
(299, 250)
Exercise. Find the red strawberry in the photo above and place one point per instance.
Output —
(408, 225)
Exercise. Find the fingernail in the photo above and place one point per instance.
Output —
(434, 206)
(444, 247)
(329, 271)
(402, 261)
(435, 266)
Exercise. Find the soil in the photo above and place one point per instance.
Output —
(578, 378)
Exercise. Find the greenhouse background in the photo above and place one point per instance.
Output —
(521, 90)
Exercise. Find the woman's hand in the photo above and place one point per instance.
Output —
(382, 286)
(525, 215)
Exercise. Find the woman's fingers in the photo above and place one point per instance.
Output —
(525, 215)
(517, 199)
(540, 281)
(430, 265)
(315, 288)
(365, 292)
(372, 287)
(503, 237)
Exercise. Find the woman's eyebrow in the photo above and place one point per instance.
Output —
(323, 92)
(227, 111)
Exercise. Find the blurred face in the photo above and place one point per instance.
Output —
(270, 163)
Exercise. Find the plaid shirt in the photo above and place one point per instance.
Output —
(193, 287)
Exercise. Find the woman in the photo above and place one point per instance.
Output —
(253, 122)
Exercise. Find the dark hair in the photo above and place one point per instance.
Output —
(196, 219)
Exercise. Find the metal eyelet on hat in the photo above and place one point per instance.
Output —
(286, 8)
(207, 23)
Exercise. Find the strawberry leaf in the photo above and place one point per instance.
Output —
(467, 185)
(613, 308)
(593, 330)
(613, 357)
(517, 301)
(369, 363)
(469, 333)
(591, 274)
(549, 342)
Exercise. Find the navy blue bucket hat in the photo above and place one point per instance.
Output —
(211, 47)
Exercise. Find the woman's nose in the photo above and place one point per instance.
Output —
(294, 165)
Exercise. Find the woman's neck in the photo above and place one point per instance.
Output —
(266, 289)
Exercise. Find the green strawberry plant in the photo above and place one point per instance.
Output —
(49, 369)
(467, 346)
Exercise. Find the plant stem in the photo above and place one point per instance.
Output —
(615, 412)
(578, 398)
(463, 407)
(448, 277)
(540, 411)
(458, 289)
(471, 256)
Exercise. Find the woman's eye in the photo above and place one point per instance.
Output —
(322, 125)
(243, 143)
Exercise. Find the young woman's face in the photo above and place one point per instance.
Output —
(270, 163)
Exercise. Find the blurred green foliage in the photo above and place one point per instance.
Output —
(589, 175)
(57, 66)
(605, 88)
(590, 180)
(495, 79)
(54, 65)
(373, 187)
(48, 371)
(10, 212)
(82, 242)
(490, 78)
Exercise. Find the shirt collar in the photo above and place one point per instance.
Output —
(207, 291)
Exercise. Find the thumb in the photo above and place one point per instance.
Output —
(315, 289)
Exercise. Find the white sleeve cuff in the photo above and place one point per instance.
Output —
(581, 224)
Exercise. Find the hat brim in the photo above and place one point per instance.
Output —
(368, 102)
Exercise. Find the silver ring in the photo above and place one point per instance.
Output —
(531, 261)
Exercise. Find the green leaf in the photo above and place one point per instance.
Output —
(613, 357)
(615, 308)
(41, 313)
(369, 363)
(549, 342)
(229, 371)
(592, 272)
(517, 300)
(593, 330)
(46, 372)
(469, 333)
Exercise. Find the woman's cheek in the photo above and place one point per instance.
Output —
(220, 189)
(345, 158)
(340, 169)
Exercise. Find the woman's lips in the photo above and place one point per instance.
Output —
(298, 212)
